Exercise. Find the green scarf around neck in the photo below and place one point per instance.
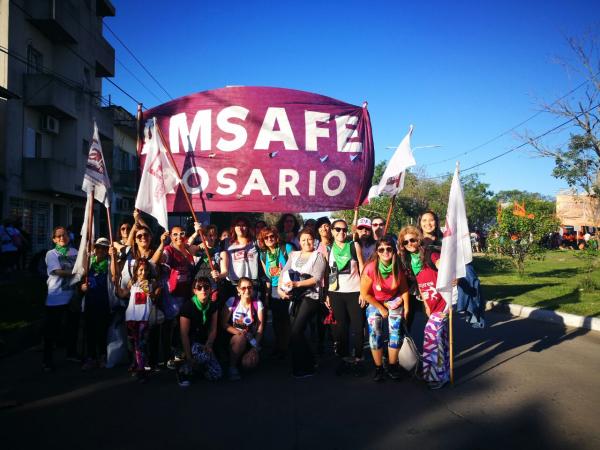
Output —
(385, 270)
(202, 307)
(62, 250)
(416, 263)
(99, 266)
(342, 255)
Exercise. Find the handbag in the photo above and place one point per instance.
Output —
(408, 355)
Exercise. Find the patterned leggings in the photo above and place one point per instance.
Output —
(436, 360)
(207, 361)
(375, 322)
(137, 333)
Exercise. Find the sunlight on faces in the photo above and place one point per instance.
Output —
(340, 231)
(410, 242)
(245, 289)
(177, 234)
(61, 237)
(142, 272)
(307, 243)
(427, 223)
(201, 290)
(324, 230)
(385, 252)
(125, 229)
(241, 229)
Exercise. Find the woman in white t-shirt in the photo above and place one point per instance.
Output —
(243, 319)
(240, 256)
(59, 262)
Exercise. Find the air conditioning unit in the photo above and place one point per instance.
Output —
(50, 124)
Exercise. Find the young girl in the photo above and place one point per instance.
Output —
(140, 290)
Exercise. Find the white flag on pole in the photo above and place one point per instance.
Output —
(159, 178)
(96, 175)
(392, 180)
(456, 244)
(79, 268)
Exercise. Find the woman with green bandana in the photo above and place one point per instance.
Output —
(59, 262)
(384, 286)
(345, 263)
(96, 312)
(198, 327)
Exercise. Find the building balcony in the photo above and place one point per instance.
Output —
(51, 177)
(124, 180)
(50, 95)
(57, 19)
(105, 58)
(104, 8)
(105, 122)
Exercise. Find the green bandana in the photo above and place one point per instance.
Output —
(416, 263)
(202, 307)
(342, 255)
(62, 250)
(384, 270)
(211, 252)
(99, 267)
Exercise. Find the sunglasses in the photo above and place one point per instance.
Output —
(125, 228)
(385, 249)
(375, 225)
(270, 238)
(202, 287)
(340, 229)
(182, 234)
(364, 229)
(245, 288)
(141, 235)
(241, 225)
(411, 240)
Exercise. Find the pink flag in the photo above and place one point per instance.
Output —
(456, 244)
(95, 178)
(392, 180)
(159, 178)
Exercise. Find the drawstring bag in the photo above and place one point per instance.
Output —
(408, 356)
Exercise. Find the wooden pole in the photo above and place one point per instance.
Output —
(186, 195)
(110, 230)
(451, 338)
(389, 215)
(90, 240)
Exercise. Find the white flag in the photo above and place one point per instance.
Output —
(95, 178)
(456, 244)
(159, 178)
(79, 268)
(392, 180)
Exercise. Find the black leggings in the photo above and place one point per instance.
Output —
(350, 318)
(96, 329)
(53, 328)
(303, 359)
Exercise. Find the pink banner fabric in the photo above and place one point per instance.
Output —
(261, 149)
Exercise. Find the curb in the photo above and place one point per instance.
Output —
(546, 315)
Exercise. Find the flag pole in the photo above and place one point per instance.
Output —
(389, 215)
(89, 234)
(186, 195)
(450, 325)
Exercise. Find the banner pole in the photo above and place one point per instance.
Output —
(451, 337)
(186, 196)
(90, 242)
(389, 215)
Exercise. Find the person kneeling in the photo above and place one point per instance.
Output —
(243, 320)
(198, 326)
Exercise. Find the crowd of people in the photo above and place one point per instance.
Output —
(199, 303)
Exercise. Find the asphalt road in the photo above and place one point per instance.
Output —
(519, 384)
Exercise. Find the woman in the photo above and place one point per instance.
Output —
(301, 282)
(240, 256)
(198, 327)
(345, 264)
(324, 316)
(273, 257)
(59, 262)
(288, 227)
(383, 285)
(429, 225)
(243, 319)
(325, 238)
(436, 362)
(364, 237)
(125, 229)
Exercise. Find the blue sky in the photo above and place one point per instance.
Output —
(461, 72)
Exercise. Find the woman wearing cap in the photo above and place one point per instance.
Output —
(436, 362)
(346, 264)
(96, 312)
(300, 282)
(243, 319)
(383, 285)
(364, 237)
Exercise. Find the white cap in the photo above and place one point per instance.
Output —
(363, 222)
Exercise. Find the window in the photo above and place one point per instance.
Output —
(35, 60)
(33, 144)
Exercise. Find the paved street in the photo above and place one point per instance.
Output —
(519, 384)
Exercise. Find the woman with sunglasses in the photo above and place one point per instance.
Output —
(383, 285)
(436, 363)
(243, 319)
(240, 256)
(346, 264)
(300, 281)
(198, 328)
(378, 227)
(273, 257)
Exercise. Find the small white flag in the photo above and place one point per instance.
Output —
(95, 178)
(456, 244)
(79, 269)
(159, 178)
(392, 180)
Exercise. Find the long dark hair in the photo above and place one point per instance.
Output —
(396, 269)
(437, 232)
(280, 223)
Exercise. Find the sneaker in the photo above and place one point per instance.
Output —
(433, 385)
(393, 371)
(379, 374)
(183, 378)
(89, 364)
(234, 374)
(172, 364)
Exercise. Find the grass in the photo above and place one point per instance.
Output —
(22, 299)
(558, 282)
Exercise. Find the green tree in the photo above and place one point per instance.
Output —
(522, 238)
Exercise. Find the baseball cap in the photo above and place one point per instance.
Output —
(102, 242)
(363, 222)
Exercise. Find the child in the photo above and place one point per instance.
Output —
(140, 290)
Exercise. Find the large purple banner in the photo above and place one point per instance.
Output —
(260, 149)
